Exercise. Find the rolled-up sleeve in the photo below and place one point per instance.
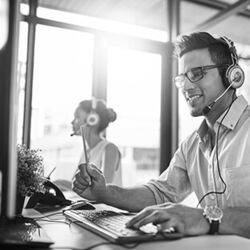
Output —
(173, 185)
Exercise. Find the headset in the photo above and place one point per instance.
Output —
(93, 117)
(234, 75)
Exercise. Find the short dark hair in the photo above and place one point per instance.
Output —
(218, 50)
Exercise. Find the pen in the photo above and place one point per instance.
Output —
(51, 173)
(84, 145)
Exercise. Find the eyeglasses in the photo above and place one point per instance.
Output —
(194, 74)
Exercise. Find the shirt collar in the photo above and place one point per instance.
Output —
(202, 130)
(234, 113)
(230, 120)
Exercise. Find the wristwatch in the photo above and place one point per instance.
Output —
(214, 215)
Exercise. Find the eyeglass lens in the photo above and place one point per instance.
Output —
(195, 75)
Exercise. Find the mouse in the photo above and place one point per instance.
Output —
(80, 205)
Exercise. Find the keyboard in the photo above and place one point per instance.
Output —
(111, 225)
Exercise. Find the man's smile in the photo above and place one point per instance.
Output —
(192, 99)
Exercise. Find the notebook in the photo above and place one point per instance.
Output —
(111, 225)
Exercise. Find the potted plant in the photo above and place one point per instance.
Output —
(30, 174)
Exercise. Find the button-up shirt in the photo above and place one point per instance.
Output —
(222, 169)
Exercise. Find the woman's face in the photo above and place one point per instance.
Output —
(80, 117)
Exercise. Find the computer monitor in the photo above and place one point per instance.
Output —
(4, 24)
(10, 18)
(14, 231)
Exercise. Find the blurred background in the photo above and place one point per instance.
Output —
(120, 51)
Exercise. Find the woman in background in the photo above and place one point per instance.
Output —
(95, 117)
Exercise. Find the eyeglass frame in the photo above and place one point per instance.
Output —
(202, 69)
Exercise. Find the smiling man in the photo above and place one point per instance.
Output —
(214, 161)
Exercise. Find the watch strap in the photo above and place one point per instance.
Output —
(214, 227)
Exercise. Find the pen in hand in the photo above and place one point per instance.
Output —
(84, 145)
(85, 148)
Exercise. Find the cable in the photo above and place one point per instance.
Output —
(217, 160)
(70, 207)
(45, 216)
(57, 221)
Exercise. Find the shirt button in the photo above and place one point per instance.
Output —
(212, 197)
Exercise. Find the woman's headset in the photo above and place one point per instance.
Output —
(93, 117)
(234, 75)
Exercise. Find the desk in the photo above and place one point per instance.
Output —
(74, 236)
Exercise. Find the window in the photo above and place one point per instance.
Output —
(21, 70)
(133, 91)
(62, 78)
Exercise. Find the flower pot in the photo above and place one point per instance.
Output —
(19, 204)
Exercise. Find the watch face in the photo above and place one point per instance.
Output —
(213, 213)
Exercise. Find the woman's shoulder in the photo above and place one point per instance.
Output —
(107, 145)
(111, 147)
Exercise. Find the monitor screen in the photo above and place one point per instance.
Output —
(4, 24)
(8, 108)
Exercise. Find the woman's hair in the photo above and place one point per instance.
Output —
(105, 114)
(219, 51)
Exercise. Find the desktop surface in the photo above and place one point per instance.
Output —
(23, 232)
(70, 235)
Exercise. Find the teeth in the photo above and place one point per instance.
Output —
(193, 98)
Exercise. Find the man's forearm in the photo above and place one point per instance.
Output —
(131, 199)
(236, 220)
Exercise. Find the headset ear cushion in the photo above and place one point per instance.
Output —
(235, 76)
(93, 119)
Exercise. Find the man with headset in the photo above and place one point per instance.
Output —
(214, 161)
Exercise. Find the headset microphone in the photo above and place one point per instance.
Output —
(76, 132)
(206, 110)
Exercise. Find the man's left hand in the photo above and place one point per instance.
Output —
(168, 216)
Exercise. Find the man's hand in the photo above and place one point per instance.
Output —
(169, 216)
(89, 182)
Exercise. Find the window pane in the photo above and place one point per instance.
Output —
(102, 24)
(134, 81)
(62, 78)
(21, 71)
(24, 9)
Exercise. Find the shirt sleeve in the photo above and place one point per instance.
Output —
(173, 185)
